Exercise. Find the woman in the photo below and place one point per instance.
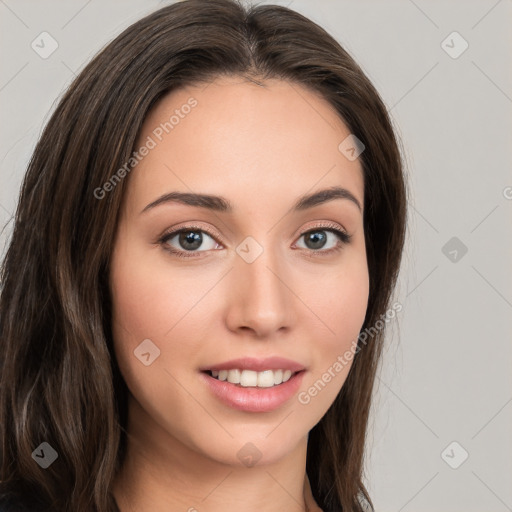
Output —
(206, 243)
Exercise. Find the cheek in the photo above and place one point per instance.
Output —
(141, 302)
(342, 305)
(170, 307)
(151, 303)
(339, 296)
(341, 300)
(147, 299)
(139, 305)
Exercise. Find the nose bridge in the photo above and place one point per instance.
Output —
(260, 298)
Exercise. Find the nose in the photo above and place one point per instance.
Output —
(260, 299)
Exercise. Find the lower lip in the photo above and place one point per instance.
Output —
(252, 399)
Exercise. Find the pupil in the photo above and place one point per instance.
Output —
(317, 238)
(191, 237)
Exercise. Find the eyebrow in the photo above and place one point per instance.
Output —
(221, 204)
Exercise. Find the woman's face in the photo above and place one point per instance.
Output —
(253, 285)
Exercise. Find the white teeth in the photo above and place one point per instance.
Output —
(266, 379)
(234, 376)
(250, 378)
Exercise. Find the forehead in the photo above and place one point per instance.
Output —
(235, 138)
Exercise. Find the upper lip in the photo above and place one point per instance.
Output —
(257, 365)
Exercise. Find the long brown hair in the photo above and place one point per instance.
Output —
(59, 380)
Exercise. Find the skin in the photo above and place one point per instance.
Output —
(261, 148)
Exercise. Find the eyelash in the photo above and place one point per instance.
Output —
(343, 236)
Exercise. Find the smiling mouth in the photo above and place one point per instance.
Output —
(251, 378)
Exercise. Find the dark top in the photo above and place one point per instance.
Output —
(9, 505)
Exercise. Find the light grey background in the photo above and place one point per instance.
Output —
(446, 374)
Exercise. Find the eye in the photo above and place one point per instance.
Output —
(186, 242)
(318, 238)
(190, 239)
